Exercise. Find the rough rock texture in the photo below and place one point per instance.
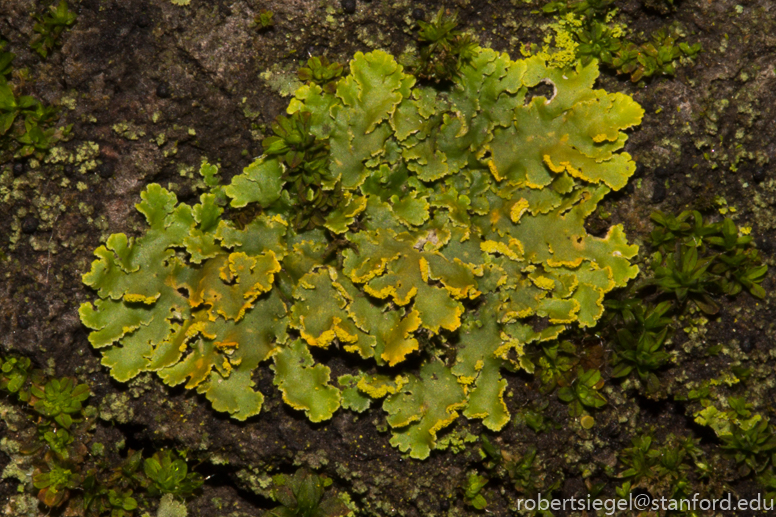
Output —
(152, 88)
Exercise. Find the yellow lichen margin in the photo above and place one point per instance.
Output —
(378, 386)
(518, 209)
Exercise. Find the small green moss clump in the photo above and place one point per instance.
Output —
(50, 26)
(71, 476)
(697, 259)
(26, 124)
(443, 48)
(265, 19)
(584, 31)
(304, 495)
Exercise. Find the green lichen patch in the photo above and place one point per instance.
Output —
(454, 220)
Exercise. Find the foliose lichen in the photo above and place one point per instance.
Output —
(457, 240)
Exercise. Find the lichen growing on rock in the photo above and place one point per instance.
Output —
(457, 225)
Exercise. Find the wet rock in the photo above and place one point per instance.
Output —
(759, 174)
(658, 193)
(163, 91)
(106, 169)
(30, 224)
(185, 193)
(747, 345)
(765, 245)
(143, 21)
(349, 6)
(612, 430)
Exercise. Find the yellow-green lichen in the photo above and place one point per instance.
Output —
(457, 220)
(128, 130)
(280, 80)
